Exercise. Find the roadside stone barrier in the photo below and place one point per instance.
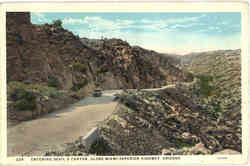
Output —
(90, 138)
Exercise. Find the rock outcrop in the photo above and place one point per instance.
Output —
(120, 65)
(149, 122)
(162, 122)
(197, 113)
(42, 59)
(220, 76)
(186, 118)
(52, 57)
(43, 53)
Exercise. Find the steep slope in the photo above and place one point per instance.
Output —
(220, 74)
(166, 122)
(40, 53)
(48, 64)
(198, 117)
(123, 66)
(47, 68)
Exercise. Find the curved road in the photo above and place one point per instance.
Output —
(54, 130)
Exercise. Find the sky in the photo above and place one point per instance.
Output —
(178, 33)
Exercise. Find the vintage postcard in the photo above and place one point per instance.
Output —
(91, 83)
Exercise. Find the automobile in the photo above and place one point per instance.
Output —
(117, 97)
(97, 92)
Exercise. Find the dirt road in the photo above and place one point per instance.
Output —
(54, 130)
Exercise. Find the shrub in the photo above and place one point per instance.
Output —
(18, 90)
(205, 88)
(102, 70)
(100, 147)
(57, 22)
(46, 91)
(21, 93)
(179, 144)
(217, 107)
(79, 67)
(53, 82)
(25, 104)
(78, 86)
(24, 98)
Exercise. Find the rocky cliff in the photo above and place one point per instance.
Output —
(41, 53)
(120, 65)
(43, 60)
(45, 64)
(44, 53)
(198, 117)
(220, 75)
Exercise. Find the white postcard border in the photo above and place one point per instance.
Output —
(132, 7)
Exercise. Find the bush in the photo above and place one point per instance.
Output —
(21, 93)
(57, 22)
(24, 104)
(102, 70)
(100, 147)
(79, 67)
(78, 86)
(179, 144)
(217, 107)
(45, 91)
(53, 82)
(205, 88)
(24, 98)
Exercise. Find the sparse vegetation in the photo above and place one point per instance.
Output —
(217, 108)
(102, 70)
(80, 67)
(78, 86)
(179, 144)
(184, 113)
(19, 90)
(57, 22)
(25, 95)
(206, 89)
(24, 98)
(53, 82)
(24, 104)
(46, 91)
(99, 147)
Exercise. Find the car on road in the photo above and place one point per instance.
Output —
(97, 92)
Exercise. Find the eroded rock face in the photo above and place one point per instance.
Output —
(221, 73)
(161, 122)
(35, 53)
(166, 122)
(124, 66)
(42, 57)
(50, 56)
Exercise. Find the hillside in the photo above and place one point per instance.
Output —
(220, 74)
(43, 53)
(199, 117)
(47, 68)
(48, 64)
(186, 105)
(123, 66)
